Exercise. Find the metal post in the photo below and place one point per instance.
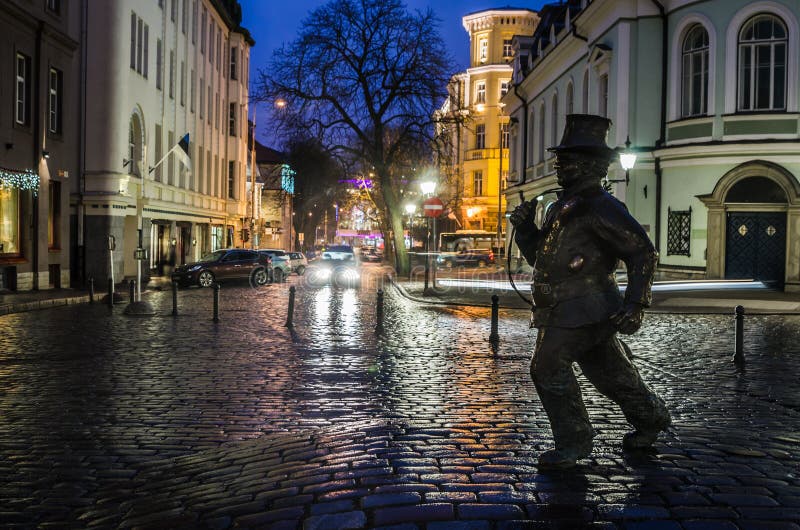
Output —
(132, 290)
(91, 289)
(290, 316)
(738, 355)
(379, 317)
(427, 254)
(175, 298)
(110, 292)
(494, 336)
(216, 302)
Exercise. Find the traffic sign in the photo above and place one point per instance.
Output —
(433, 207)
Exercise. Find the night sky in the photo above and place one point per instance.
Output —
(274, 22)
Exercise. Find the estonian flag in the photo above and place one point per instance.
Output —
(182, 152)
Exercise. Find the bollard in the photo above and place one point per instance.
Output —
(174, 298)
(132, 290)
(91, 289)
(379, 317)
(110, 292)
(216, 302)
(738, 346)
(494, 336)
(290, 316)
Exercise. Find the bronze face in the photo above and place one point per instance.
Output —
(574, 166)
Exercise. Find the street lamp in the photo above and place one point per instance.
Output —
(428, 187)
(627, 159)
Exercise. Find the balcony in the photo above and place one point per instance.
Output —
(485, 154)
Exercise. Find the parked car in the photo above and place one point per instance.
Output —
(281, 264)
(466, 258)
(337, 266)
(371, 256)
(233, 263)
(298, 262)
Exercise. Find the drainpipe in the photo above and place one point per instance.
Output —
(37, 146)
(81, 246)
(524, 134)
(663, 125)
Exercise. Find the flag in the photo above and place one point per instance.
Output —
(182, 152)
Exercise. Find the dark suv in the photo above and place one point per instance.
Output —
(234, 263)
(475, 257)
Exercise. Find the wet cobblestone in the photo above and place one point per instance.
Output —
(111, 421)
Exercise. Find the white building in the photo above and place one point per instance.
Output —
(156, 71)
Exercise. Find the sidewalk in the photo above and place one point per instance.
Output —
(476, 288)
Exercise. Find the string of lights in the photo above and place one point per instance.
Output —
(22, 180)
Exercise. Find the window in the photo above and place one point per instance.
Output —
(507, 51)
(218, 34)
(504, 136)
(159, 63)
(503, 88)
(134, 145)
(210, 40)
(203, 32)
(174, 10)
(9, 222)
(210, 106)
(541, 133)
(54, 6)
(202, 98)
(194, 21)
(477, 183)
(483, 50)
(22, 111)
(216, 110)
(54, 101)
(54, 216)
(193, 90)
(183, 83)
(694, 77)
(234, 57)
(140, 33)
(762, 64)
(172, 74)
(232, 119)
(480, 92)
(570, 99)
(185, 16)
(480, 136)
(159, 152)
(554, 121)
(231, 179)
(170, 159)
(679, 232)
(602, 95)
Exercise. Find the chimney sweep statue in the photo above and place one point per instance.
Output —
(578, 306)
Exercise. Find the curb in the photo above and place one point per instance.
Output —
(7, 309)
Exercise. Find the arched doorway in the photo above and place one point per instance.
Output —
(755, 241)
(752, 219)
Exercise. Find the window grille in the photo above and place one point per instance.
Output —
(679, 232)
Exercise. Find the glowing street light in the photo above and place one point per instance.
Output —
(428, 187)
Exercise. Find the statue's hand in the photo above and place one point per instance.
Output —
(628, 320)
(524, 217)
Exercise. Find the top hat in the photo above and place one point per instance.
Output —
(585, 133)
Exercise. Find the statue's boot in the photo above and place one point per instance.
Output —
(563, 458)
(643, 438)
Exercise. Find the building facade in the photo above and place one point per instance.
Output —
(274, 228)
(707, 94)
(154, 72)
(40, 85)
(479, 157)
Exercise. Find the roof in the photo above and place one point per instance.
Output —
(268, 155)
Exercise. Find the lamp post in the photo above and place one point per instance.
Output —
(428, 188)
(627, 159)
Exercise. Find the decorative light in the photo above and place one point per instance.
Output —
(627, 158)
(411, 208)
(428, 187)
(21, 180)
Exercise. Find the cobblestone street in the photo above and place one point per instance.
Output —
(164, 422)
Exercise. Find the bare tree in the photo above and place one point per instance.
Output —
(366, 78)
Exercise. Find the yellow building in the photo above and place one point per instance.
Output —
(480, 145)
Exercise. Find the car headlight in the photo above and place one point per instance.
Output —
(194, 268)
(350, 274)
(321, 274)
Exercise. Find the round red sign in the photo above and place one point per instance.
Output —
(433, 207)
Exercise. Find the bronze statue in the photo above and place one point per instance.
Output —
(578, 306)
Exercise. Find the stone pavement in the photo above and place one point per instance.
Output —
(108, 421)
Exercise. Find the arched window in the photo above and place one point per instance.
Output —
(570, 98)
(554, 122)
(542, 133)
(135, 146)
(694, 76)
(762, 64)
